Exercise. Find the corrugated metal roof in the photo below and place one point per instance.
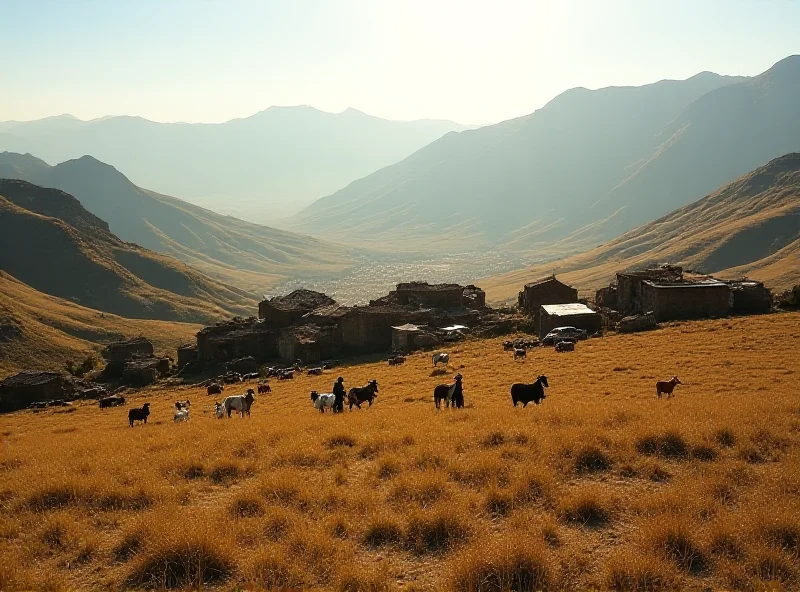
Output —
(571, 308)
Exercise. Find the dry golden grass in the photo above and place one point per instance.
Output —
(600, 486)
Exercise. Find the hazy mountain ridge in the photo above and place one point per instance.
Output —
(281, 154)
(581, 170)
(231, 250)
(50, 242)
(750, 226)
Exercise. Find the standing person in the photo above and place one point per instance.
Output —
(338, 395)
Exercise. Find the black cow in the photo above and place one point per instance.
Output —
(111, 401)
(525, 393)
(359, 394)
(139, 414)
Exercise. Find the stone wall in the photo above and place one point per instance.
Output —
(546, 291)
(686, 301)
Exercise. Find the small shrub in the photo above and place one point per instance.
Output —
(770, 565)
(493, 439)
(435, 532)
(517, 565)
(703, 452)
(382, 531)
(671, 445)
(586, 508)
(247, 506)
(592, 459)
(193, 471)
(52, 498)
(638, 572)
(725, 437)
(270, 570)
(225, 473)
(276, 524)
(340, 440)
(129, 546)
(677, 543)
(498, 504)
(388, 468)
(724, 543)
(193, 562)
(424, 492)
(784, 534)
(363, 580)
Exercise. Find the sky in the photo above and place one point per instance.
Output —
(471, 62)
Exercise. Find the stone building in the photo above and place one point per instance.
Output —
(700, 299)
(283, 311)
(122, 351)
(425, 295)
(474, 297)
(629, 286)
(749, 297)
(237, 339)
(545, 291)
(571, 314)
(20, 390)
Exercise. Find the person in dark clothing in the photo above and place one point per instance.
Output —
(338, 395)
(457, 399)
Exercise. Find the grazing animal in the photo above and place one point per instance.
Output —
(449, 393)
(286, 375)
(251, 376)
(520, 353)
(181, 405)
(314, 371)
(219, 410)
(396, 360)
(525, 393)
(359, 394)
(38, 405)
(215, 389)
(264, 388)
(112, 401)
(444, 358)
(508, 345)
(139, 414)
(239, 403)
(330, 364)
(323, 400)
(565, 346)
(181, 415)
(666, 387)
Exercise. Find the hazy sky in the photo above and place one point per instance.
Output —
(472, 62)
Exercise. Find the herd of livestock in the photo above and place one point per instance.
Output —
(448, 394)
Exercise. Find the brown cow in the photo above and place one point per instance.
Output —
(667, 386)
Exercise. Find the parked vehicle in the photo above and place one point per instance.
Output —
(564, 334)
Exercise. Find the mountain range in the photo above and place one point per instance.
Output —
(580, 171)
(258, 168)
(748, 227)
(233, 251)
(49, 241)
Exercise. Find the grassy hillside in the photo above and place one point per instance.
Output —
(600, 487)
(749, 227)
(49, 241)
(260, 167)
(41, 332)
(233, 251)
(582, 170)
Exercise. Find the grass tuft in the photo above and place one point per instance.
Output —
(591, 459)
(518, 564)
(382, 531)
(586, 507)
(182, 563)
(436, 531)
(340, 440)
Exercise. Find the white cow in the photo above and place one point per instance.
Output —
(444, 358)
(181, 415)
(239, 403)
(219, 410)
(322, 400)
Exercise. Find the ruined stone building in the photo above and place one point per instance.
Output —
(283, 311)
(628, 289)
(20, 390)
(544, 291)
(312, 327)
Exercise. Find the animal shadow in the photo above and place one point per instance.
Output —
(440, 372)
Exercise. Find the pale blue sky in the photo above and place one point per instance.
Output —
(472, 62)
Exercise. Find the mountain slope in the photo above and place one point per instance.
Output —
(275, 160)
(231, 250)
(41, 332)
(581, 170)
(748, 227)
(49, 241)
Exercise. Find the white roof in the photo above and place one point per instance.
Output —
(454, 328)
(407, 327)
(571, 308)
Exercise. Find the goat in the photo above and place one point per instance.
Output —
(667, 386)
(139, 414)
